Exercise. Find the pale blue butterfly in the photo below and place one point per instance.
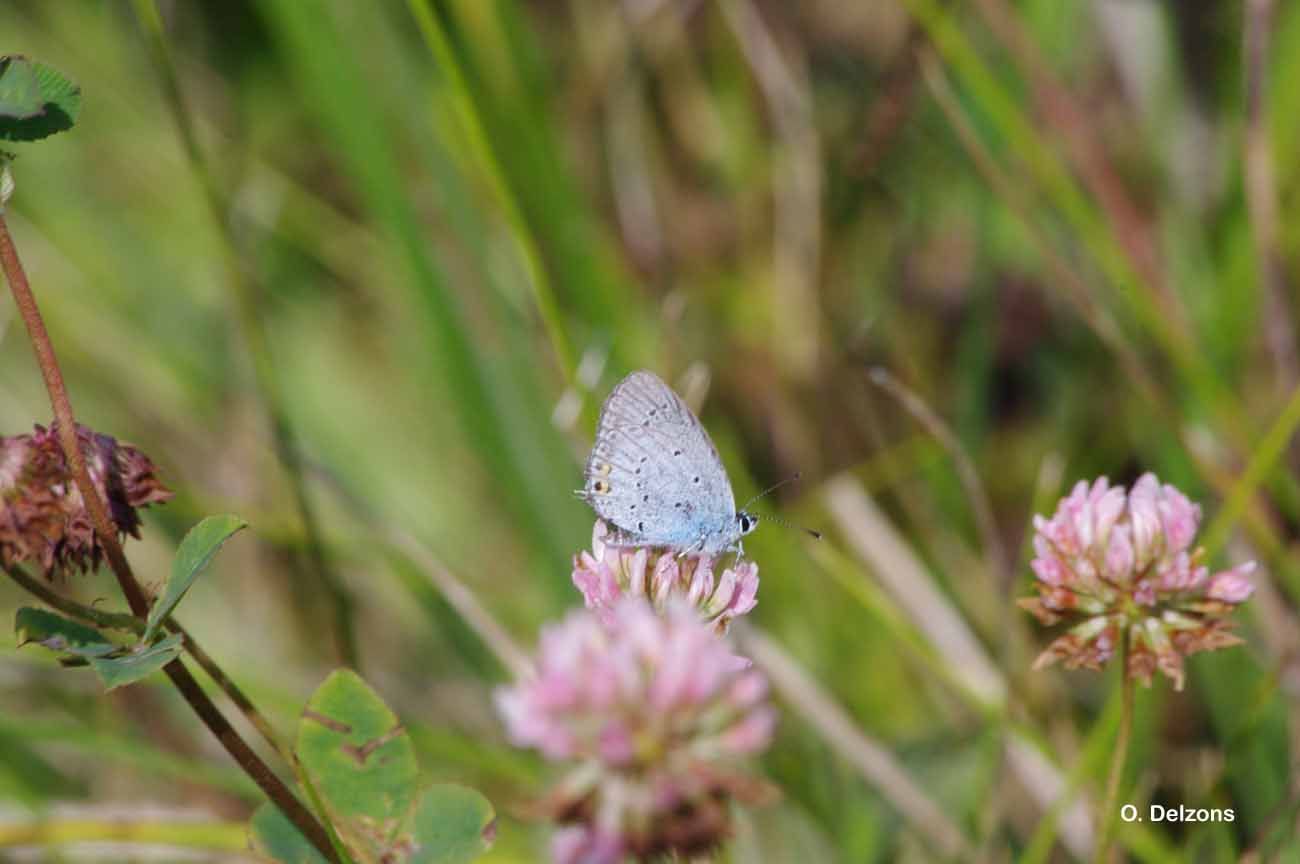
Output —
(655, 475)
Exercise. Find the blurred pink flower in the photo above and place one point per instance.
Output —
(43, 518)
(579, 844)
(1117, 565)
(610, 572)
(655, 710)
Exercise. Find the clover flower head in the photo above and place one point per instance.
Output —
(43, 518)
(1120, 565)
(653, 709)
(610, 571)
(580, 844)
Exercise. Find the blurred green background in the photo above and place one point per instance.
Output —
(423, 240)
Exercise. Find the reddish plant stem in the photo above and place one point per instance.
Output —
(180, 677)
(67, 427)
(132, 624)
(232, 691)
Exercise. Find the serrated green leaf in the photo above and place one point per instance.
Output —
(131, 667)
(196, 552)
(272, 835)
(54, 108)
(20, 92)
(451, 824)
(60, 634)
(360, 760)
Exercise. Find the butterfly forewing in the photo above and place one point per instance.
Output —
(653, 472)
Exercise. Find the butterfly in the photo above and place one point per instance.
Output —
(655, 475)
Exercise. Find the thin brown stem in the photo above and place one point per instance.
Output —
(66, 423)
(267, 781)
(1109, 809)
(55, 600)
(237, 696)
(106, 532)
(132, 624)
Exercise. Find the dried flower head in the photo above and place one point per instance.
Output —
(654, 710)
(43, 518)
(610, 572)
(1121, 566)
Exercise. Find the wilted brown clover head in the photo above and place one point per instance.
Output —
(43, 518)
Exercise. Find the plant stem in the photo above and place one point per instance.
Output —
(132, 624)
(55, 600)
(65, 422)
(245, 705)
(1109, 808)
(106, 531)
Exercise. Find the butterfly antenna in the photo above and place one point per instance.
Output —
(816, 535)
(770, 489)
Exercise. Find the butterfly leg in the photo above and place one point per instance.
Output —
(696, 549)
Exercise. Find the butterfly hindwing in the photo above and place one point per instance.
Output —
(653, 472)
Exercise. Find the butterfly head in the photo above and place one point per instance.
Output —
(745, 522)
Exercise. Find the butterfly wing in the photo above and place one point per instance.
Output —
(653, 472)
